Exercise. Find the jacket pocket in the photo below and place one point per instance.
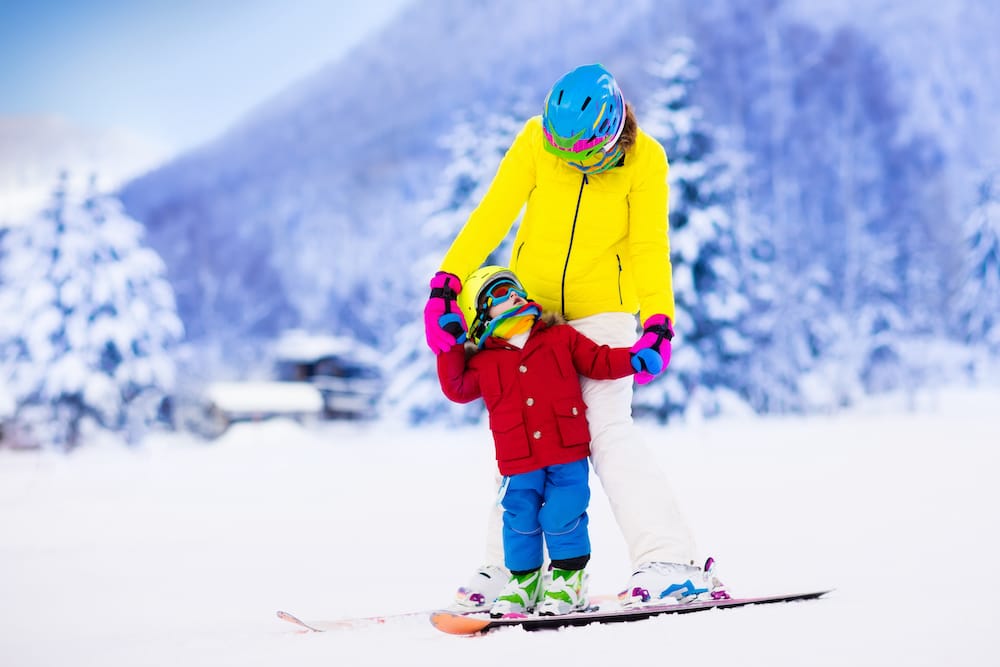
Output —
(571, 415)
(509, 436)
(564, 362)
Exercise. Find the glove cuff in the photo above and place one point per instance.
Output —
(659, 324)
(445, 285)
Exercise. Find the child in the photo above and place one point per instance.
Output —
(526, 368)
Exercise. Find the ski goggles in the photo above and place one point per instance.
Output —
(499, 292)
(598, 163)
(574, 148)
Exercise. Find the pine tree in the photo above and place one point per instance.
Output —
(706, 250)
(88, 322)
(476, 145)
(978, 299)
(866, 262)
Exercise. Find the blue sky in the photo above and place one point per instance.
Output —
(175, 71)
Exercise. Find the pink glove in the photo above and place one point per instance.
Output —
(443, 322)
(657, 333)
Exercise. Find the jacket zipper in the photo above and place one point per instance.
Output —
(569, 250)
(620, 299)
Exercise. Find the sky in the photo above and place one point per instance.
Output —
(175, 72)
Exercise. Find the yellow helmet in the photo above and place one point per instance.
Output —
(472, 301)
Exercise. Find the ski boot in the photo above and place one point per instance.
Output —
(667, 583)
(565, 593)
(519, 596)
(482, 589)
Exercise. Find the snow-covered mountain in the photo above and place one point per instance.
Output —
(319, 188)
(309, 211)
(34, 150)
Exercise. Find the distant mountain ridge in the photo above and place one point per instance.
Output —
(340, 159)
(310, 203)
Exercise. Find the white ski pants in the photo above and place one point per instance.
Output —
(637, 489)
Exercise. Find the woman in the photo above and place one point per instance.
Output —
(592, 246)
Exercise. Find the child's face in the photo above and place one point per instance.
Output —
(515, 301)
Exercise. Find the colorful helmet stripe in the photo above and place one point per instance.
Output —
(584, 114)
(575, 148)
(601, 162)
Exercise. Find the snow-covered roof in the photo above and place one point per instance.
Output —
(302, 346)
(265, 397)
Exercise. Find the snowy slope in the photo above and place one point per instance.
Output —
(180, 553)
(35, 149)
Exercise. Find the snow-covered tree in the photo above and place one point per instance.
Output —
(87, 322)
(979, 295)
(855, 126)
(476, 144)
(709, 284)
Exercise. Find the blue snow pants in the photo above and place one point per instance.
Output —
(550, 501)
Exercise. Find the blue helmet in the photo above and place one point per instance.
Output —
(583, 118)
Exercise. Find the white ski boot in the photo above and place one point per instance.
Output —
(483, 588)
(666, 583)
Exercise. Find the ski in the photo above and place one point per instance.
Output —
(479, 623)
(359, 621)
(363, 621)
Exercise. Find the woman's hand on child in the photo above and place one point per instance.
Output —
(651, 353)
(444, 325)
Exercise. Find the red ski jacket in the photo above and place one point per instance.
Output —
(533, 395)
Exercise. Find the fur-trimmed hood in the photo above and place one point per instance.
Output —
(551, 318)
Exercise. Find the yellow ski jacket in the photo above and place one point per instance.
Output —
(587, 244)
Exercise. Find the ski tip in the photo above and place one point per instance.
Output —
(458, 624)
(821, 593)
(792, 597)
(285, 616)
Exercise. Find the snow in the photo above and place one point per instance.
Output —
(265, 397)
(179, 552)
